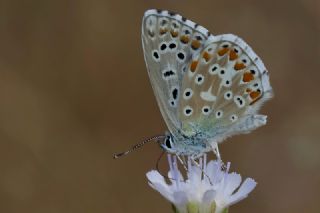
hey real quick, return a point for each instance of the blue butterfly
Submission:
(207, 87)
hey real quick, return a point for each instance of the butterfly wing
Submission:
(225, 85)
(169, 42)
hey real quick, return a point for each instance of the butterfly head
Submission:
(168, 144)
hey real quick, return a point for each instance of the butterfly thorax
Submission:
(195, 145)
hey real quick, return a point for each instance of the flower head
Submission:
(207, 188)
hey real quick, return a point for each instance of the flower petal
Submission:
(232, 182)
(154, 176)
(165, 191)
(247, 186)
(157, 182)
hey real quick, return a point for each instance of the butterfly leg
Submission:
(200, 166)
(184, 159)
(215, 150)
(183, 162)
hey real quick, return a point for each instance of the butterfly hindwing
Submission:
(169, 43)
(225, 85)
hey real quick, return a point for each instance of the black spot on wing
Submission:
(155, 55)
(175, 93)
(180, 55)
(172, 45)
(168, 73)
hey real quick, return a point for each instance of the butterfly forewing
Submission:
(169, 43)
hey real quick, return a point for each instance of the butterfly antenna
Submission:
(157, 137)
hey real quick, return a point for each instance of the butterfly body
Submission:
(207, 87)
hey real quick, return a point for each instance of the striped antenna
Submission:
(137, 146)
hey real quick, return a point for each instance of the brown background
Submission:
(74, 90)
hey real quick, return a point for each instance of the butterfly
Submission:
(207, 87)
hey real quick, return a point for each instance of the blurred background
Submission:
(74, 90)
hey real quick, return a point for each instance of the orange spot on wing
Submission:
(248, 76)
(239, 66)
(206, 56)
(195, 44)
(223, 51)
(254, 94)
(184, 39)
(233, 55)
(174, 33)
(163, 31)
(193, 66)
(248, 90)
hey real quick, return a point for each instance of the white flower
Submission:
(208, 187)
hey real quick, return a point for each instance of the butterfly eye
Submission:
(168, 142)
